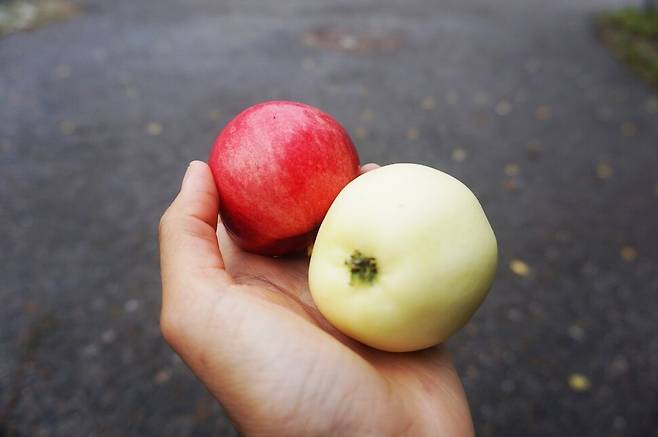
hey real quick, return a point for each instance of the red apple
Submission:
(278, 166)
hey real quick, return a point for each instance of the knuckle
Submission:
(162, 224)
(169, 327)
(164, 227)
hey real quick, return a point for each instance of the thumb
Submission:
(188, 242)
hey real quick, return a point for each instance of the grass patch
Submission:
(632, 34)
(19, 15)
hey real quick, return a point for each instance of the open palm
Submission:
(247, 327)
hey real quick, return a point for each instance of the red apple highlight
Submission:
(278, 166)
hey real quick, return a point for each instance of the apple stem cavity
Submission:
(363, 269)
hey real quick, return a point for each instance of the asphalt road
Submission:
(99, 116)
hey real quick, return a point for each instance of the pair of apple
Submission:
(404, 254)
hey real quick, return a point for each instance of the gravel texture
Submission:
(100, 114)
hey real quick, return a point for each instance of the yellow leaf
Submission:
(579, 382)
(519, 267)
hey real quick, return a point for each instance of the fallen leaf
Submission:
(215, 114)
(651, 105)
(67, 127)
(603, 170)
(543, 113)
(452, 98)
(576, 333)
(512, 169)
(503, 107)
(63, 71)
(428, 103)
(367, 115)
(511, 185)
(628, 253)
(481, 99)
(154, 128)
(628, 129)
(412, 133)
(361, 133)
(519, 267)
(132, 91)
(535, 149)
(579, 382)
(459, 155)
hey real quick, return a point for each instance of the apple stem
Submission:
(363, 269)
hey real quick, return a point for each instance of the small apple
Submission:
(403, 258)
(278, 166)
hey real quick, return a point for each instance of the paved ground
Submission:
(99, 116)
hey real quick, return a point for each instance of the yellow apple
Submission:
(403, 258)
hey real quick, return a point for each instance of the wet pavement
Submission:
(100, 114)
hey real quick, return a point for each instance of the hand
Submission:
(247, 327)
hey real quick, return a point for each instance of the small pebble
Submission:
(514, 314)
(619, 365)
(131, 305)
(90, 350)
(576, 333)
(651, 105)
(63, 71)
(619, 423)
(98, 303)
(108, 336)
(163, 376)
(508, 386)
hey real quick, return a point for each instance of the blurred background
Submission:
(529, 102)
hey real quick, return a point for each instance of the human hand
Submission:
(247, 327)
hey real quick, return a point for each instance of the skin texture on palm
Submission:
(247, 327)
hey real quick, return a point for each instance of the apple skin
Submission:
(434, 251)
(278, 166)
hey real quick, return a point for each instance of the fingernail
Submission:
(187, 174)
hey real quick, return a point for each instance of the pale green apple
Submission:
(403, 258)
